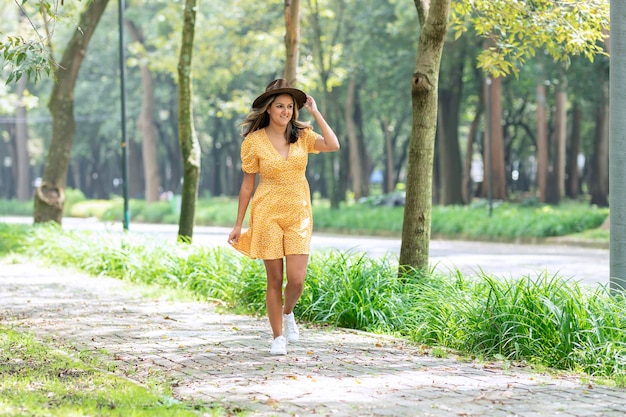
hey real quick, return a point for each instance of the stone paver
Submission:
(224, 358)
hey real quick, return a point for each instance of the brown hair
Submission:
(258, 119)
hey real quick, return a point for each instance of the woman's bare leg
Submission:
(274, 294)
(296, 273)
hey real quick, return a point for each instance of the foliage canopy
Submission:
(515, 30)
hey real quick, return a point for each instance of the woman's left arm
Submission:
(329, 141)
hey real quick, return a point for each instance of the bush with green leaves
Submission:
(16, 208)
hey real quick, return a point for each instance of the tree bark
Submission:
(560, 135)
(469, 154)
(50, 195)
(146, 124)
(189, 144)
(572, 189)
(292, 40)
(450, 172)
(135, 176)
(599, 181)
(21, 145)
(389, 174)
(542, 141)
(356, 163)
(496, 146)
(414, 250)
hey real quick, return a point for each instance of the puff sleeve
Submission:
(310, 137)
(249, 158)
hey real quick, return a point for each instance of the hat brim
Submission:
(298, 95)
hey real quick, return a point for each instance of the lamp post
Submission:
(121, 6)
(617, 149)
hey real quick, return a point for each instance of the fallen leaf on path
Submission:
(271, 402)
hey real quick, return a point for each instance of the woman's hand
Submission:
(233, 237)
(310, 104)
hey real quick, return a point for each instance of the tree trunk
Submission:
(189, 144)
(292, 40)
(450, 172)
(542, 141)
(50, 195)
(356, 163)
(469, 154)
(389, 174)
(599, 181)
(560, 135)
(496, 177)
(21, 145)
(146, 124)
(135, 176)
(572, 189)
(335, 183)
(366, 161)
(414, 250)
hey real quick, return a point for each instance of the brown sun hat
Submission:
(280, 86)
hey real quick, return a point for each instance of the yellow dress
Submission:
(281, 220)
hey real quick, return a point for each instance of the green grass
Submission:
(39, 380)
(507, 221)
(516, 221)
(543, 321)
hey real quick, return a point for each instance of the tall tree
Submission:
(189, 144)
(145, 122)
(560, 134)
(542, 137)
(494, 183)
(572, 188)
(450, 100)
(516, 37)
(21, 145)
(433, 21)
(50, 194)
(324, 60)
(516, 30)
(292, 40)
(599, 178)
(356, 147)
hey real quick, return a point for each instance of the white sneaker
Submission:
(290, 327)
(279, 346)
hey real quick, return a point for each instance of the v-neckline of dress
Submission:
(276, 150)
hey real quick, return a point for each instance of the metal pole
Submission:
(488, 144)
(617, 149)
(121, 7)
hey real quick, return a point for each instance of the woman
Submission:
(276, 146)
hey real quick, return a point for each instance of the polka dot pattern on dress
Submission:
(281, 219)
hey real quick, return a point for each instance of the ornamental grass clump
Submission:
(543, 320)
(353, 291)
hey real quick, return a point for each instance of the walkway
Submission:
(224, 358)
